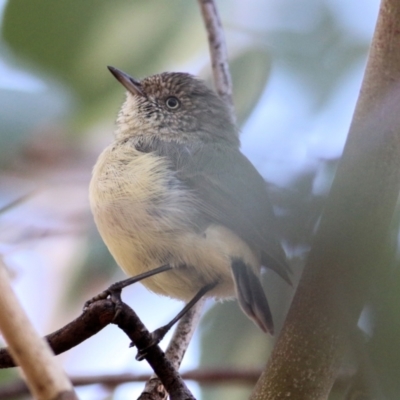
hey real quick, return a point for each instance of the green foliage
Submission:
(21, 113)
(249, 69)
(230, 340)
(75, 40)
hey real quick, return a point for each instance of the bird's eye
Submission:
(172, 103)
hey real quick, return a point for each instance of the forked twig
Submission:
(98, 315)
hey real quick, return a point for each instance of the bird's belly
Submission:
(196, 261)
(145, 218)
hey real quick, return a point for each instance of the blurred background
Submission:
(297, 68)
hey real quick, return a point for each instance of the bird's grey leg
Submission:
(159, 333)
(114, 291)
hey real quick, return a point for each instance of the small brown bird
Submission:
(177, 203)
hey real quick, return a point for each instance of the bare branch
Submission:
(45, 378)
(154, 389)
(98, 315)
(218, 53)
(129, 322)
(183, 334)
(93, 320)
(204, 377)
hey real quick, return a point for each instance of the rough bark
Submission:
(344, 260)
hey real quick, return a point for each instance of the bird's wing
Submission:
(229, 191)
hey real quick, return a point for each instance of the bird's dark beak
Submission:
(131, 84)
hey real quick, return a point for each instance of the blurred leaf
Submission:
(298, 207)
(23, 114)
(229, 338)
(49, 32)
(7, 376)
(320, 56)
(250, 72)
(75, 40)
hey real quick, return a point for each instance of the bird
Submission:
(178, 205)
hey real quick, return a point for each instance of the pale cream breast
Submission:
(145, 217)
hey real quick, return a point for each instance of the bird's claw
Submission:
(156, 337)
(101, 296)
(115, 296)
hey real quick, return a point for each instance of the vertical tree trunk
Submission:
(344, 259)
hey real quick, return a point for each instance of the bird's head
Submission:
(173, 106)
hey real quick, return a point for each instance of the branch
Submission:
(176, 350)
(93, 320)
(129, 322)
(218, 53)
(17, 201)
(98, 315)
(45, 378)
(344, 260)
(207, 377)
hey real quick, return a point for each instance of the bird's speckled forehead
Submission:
(173, 83)
(200, 116)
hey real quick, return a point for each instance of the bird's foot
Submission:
(156, 337)
(113, 293)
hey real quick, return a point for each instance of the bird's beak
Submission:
(131, 84)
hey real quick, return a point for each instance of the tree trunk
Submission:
(344, 259)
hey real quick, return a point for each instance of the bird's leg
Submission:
(159, 333)
(114, 291)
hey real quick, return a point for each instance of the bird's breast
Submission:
(136, 200)
(148, 218)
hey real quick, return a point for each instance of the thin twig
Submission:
(130, 323)
(17, 201)
(176, 350)
(45, 377)
(183, 334)
(204, 377)
(207, 377)
(218, 53)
